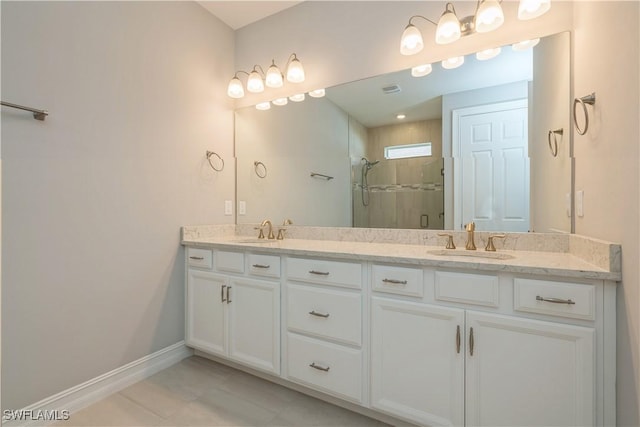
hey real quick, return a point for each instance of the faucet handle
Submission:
(490, 247)
(281, 232)
(471, 226)
(450, 244)
(261, 233)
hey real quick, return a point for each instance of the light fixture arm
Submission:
(257, 68)
(422, 17)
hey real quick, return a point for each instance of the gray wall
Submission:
(93, 198)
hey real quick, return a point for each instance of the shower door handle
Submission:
(424, 221)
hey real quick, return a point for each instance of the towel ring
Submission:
(211, 153)
(257, 168)
(587, 99)
(554, 147)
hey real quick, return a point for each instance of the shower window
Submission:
(422, 149)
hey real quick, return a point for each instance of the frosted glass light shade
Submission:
(524, 45)
(299, 97)
(280, 101)
(452, 63)
(448, 29)
(255, 83)
(263, 106)
(274, 77)
(411, 41)
(235, 89)
(489, 16)
(421, 70)
(529, 9)
(295, 72)
(483, 55)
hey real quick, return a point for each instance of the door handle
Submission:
(458, 339)
(471, 342)
(222, 293)
(228, 295)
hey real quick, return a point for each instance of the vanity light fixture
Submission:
(273, 78)
(451, 63)
(318, 93)
(263, 106)
(524, 45)
(299, 97)
(483, 55)
(280, 101)
(488, 16)
(421, 70)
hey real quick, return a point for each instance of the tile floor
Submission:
(200, 392)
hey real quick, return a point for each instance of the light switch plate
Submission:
(242, 207)
(228, 207)
(580, 203)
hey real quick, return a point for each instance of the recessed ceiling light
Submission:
(401, 116)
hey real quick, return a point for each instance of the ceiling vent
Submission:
(391, 89)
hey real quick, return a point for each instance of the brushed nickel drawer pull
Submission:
(315, 313)
(261, 266)
(222, 298)
(319, 368)
(198, 258)
(471, 342)
(395, 282)
(458, 340)
(228, 296)
(319, 273)
(555, 300)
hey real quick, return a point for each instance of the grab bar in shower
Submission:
(37, 114)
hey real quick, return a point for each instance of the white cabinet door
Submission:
(254, 323)
(417, 366)
(528, 372)
(206, 312)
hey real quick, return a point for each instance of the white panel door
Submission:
(493, 184)
(206, 324)
(417, 366)
(254, 323)
(523, 372)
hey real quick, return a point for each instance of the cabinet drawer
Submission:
(573, 300)
(397, 280)
(467, 288)
(346, 274)
(326, 313)
(325, 366)
(264, 265)
(199, 257)
(229, 261)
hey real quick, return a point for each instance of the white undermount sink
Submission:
(470, 254)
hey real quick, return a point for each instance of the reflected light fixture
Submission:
(299, 97)
(452, 63)
(483, 55)
(401, 116)
(421, 70)
(318, 93)
(280, 101)
(263, 106)
(488, 16)
(524, 45)
(257, 79)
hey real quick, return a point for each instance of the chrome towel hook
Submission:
(554, 147)
(211, 153)
(587, 99)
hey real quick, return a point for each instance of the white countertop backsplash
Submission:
(566, 255)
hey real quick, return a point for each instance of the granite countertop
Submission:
(561, 264)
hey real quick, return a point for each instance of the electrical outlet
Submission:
(228, 207)
(242, 207)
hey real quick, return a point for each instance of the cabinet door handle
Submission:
(315, 313)
(395, 282)
(261, 266)
(228, 295)
(222, 293)
(458, 342)
(471, 342)
(555, 300)
(319, 273)
(198, 258)
(319, 368)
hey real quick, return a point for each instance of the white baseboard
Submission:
(83, 395)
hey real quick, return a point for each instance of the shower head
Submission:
(368, 164)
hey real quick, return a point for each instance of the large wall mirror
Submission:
(488, 142)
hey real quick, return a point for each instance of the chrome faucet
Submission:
(270, 235)
(471, 227)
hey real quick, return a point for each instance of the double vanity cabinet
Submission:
(427, 342)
